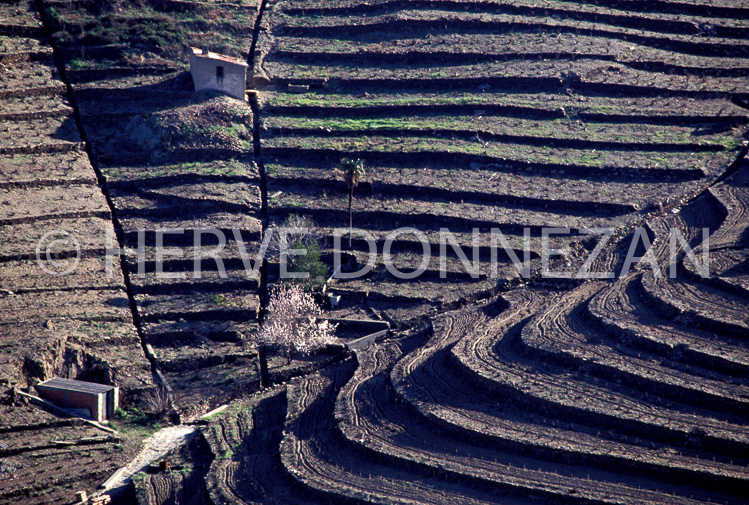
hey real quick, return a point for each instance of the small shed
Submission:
(218, 72)
(100, 400)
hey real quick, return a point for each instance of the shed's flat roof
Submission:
(215, 56)
(74, 385)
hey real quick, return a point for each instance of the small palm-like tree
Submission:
(353, 173)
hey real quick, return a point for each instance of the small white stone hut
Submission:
(218, 72)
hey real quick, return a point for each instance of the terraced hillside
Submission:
(68, 323)
(471, 115)
(176, 161)
(627, 391)
(54, 218)
(513, 115)
(504, 115)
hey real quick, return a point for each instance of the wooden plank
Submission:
(214, 412)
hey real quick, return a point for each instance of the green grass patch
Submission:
(542, 154)
(134, 421)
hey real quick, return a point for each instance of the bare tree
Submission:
(292, 321)
(298, 233)
(294, 229)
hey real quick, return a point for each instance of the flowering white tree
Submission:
(292, 321)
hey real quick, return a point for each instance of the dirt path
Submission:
(155, 447)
